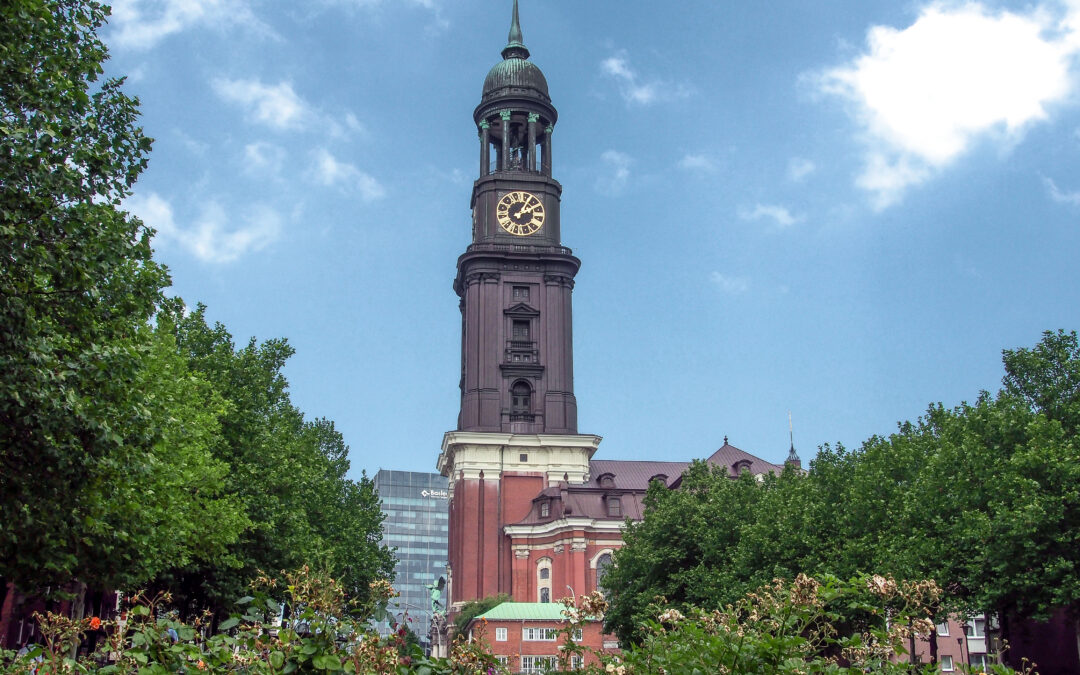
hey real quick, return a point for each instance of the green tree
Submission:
(288, 475)
(474, 608)
(77, 287)
(684, 549)
(983, 499)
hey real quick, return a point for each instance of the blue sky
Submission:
(845, 210)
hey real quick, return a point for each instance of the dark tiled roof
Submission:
(631, 475)
(630, 480)
(729, 456)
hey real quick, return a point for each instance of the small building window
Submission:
(521, 329)
(614, 507)
(543, 580)
(943, 629)
(536, 665)
(947, 664)
(523, 457)
(521, 293)
(539, 634)
(606, 480)
(545, 509)
(500, 635)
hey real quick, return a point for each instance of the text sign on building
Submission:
(437, 494)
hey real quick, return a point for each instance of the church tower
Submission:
(517, 428)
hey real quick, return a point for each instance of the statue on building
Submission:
(436, 589)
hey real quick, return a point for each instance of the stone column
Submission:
(485, 148)
(533, 119)
(505, 164)
(547, 149)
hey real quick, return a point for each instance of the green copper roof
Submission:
(517, 611)
(515, 73)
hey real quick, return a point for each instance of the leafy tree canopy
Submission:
(77, 287)
(983, 498)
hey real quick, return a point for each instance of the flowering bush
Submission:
(801, 627)
(321, 633)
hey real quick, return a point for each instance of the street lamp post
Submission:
(963, 644)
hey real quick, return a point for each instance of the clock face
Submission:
(520, 213)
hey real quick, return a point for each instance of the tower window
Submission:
(521, 330)
(520, 398)
(545, 573)
(545, 595)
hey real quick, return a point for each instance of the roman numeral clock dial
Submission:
(520, 213)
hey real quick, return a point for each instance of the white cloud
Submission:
(779, 215)
(959, 74)
(276, 106)
(141, 24)
(330, 172)
(799, 168)
(263, 158)
(210, 238)
(697, 163)
(1071, 198)
(616, 173)
(633, 89)
(731, 285)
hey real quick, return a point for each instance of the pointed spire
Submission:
(515, 47)
(793, 457)
(515, 28)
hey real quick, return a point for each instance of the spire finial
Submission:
(515, 28)
(515, 47)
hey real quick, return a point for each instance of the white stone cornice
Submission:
(588, 441)
(564, 524)
(471, 454)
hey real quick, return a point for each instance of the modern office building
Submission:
(416, 519)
